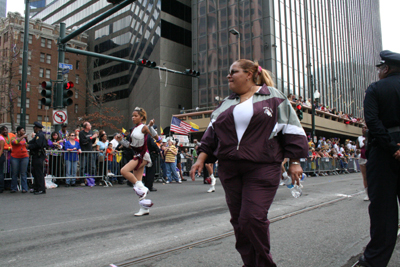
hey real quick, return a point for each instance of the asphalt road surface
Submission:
(82, 226)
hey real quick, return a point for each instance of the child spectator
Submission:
(110, 152)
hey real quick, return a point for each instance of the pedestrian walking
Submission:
(140, 157)
(36, 148)
(250, 133)
(382, 116)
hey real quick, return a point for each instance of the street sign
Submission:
(64, 66)
(60, 116)
(65, 71)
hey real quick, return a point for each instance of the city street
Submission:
(82, 226)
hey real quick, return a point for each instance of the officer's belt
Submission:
(394, 129)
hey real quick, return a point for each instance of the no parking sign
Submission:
(60, 116)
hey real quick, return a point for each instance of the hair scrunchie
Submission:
(259, 69)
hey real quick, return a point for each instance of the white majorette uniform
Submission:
(139, 145)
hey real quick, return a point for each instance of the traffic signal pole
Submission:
(58, 92)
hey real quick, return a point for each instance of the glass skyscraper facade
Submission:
(157, 30)
(332, 44)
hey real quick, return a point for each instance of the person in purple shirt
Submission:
(71, 159)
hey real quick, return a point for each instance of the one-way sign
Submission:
(65, 66)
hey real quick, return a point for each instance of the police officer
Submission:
(36, 147)
(382, 115)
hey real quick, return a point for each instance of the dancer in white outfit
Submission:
(141, 158)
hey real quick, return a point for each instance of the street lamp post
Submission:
(24, 66)
(235, 32)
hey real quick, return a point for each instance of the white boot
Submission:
(366, 198)
(212, 189)
(140, 190)
(213, 180)
(142, 212)
(285, 176)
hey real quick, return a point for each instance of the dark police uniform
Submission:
(154, 152)
(36, 148)
(382, 115)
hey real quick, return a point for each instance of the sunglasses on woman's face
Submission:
(72, 135)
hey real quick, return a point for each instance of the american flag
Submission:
(179, 126)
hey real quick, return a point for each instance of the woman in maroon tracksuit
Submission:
(250, 134)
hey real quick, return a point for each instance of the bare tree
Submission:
(103, 116)
(8, 86)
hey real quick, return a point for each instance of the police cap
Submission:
(64, 125)
(389, 58)
(37, 124)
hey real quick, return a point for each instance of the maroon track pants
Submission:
(250, 189)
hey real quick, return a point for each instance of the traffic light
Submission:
(299, 112)
(192, 73)
(46, 93)
(67, 93)
(114, 2)
(147, 63)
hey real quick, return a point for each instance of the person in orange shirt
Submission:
(19, 160)
(110, 158)
(7, 151)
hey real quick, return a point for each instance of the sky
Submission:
(390, 11)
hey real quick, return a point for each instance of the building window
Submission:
(27, 102)
(28, 86)
(66, 76)
(30, 39)
(40, 118)
(76, 108)
(19, 118)
(41, 57)
(48, 59)
(19, 102)
(66, 60)
(77, 65)
(41, 72)
(49, 43)
(29, 70)
(43, 42)
(47, 73)
(20, 69)
(21, 55)
(77, 79)
(76, 93)
(40, 106)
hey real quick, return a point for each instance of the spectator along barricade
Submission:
(329, 166)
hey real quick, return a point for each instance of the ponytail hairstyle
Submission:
(260, 76)
(142, 113)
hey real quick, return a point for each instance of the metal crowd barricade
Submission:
(89, 164)
(7, 169)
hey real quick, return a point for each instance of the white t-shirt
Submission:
(242, 114)
(114, 144)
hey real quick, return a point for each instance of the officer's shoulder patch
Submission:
(37, 137)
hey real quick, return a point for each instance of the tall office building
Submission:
(157, 30)
(3, 8)
(333, 43)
